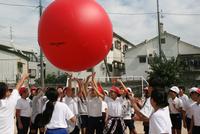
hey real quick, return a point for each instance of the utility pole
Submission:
(41, 54)
(159, 37)
(11, 36)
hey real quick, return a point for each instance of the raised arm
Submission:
(21, 82)
(95, 86)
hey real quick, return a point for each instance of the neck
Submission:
(156, 108)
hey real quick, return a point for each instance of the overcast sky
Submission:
(135, 20)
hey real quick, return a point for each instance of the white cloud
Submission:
(135, 28)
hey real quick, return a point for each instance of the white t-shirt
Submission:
(114, 106)
(184, 99)
(104, 106)
(82, 106)
(72, 103)
(7, 110)
(188, 107)
(147, 109)
(94, 107)
(127, 109)
(178, 104)
(60, 114)
(160, 122)
(24, 106)
(37, 105)
(196, 114)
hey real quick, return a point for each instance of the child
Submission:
(23, 111)
(7, 106)
(195, 122)
(55, 114)
(160, 122)
(175, 106)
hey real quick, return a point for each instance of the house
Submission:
(136, 58)
(33, 65)
(12, 64)
(113, 65)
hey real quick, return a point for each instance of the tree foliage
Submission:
(169, 70)
(53, 79)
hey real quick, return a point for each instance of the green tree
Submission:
(53, 79)
(169, 70)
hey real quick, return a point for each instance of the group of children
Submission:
(89, 109)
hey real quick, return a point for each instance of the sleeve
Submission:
(192, 111)
(19, 104)
(69, 113)
(147, 109)
(14, 97)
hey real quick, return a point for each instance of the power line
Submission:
(17, 5)
(184, 14)
(116, 13)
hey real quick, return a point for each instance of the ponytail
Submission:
(52, 96)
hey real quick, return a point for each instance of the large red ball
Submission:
(75, 35)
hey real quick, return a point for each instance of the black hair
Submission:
(52, 96)
(182, 87)
(3, 90)
(156, 82)
(159, 95)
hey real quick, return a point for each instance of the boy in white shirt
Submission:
(160, 122)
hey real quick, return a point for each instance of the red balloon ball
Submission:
(75, 35)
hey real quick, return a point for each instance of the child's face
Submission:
(113, 95)
(198, 99)
(172, 94)
(194, 96)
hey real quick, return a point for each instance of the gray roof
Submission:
(10, 50)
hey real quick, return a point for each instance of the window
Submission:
(110, 67)
(20, 67)
(142, 59)
(118, 44)
(125, 48)
(32, 73)
(162, 40)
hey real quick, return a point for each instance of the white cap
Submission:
(175, 89)
(105, 91)
(193, 89)
(129, 89)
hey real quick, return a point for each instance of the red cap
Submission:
(100, 88)
(21, 90)
(198, 91)
(33, 88)
(115, 89)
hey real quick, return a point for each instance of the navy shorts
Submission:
(83, 121)
(57, 131)
(176, 121)
(129, 124)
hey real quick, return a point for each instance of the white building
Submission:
(15, 62)
(12, 64)
(115, 61)
(136, 58)
(33, 65)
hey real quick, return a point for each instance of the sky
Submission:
(135, 20)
